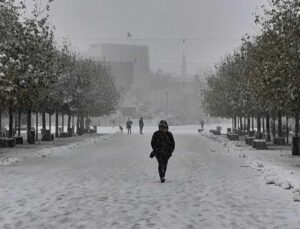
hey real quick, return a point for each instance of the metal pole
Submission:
(167, 97)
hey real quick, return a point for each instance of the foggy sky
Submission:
(213, 26)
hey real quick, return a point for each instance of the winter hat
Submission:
(163, 124)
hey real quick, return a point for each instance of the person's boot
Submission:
(162, 180)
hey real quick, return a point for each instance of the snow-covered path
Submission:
(114, 184)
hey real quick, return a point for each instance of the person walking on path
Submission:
(202, 124)
(163, 146)
(128, 126)
(141, 124)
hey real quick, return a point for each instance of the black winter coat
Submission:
(163, 143)
(141, 123)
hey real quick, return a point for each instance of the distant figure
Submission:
(128, 126)
(163, 145)
(141, 124)
(113, 123)
(121, 128)
(202, 124)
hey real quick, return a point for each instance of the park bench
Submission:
(259, 135)
(259, 144)
(279, 141)
(252, 133)
(92, 130)
(264, 135)
(232, 136)
(217, 131)
(7, 142)
(19, 140)
(46, 135)
(249, 140)
(241, 132)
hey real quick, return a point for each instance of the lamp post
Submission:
(167, 100)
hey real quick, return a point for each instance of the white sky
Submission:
(214, 26)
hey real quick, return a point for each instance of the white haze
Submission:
(214, 27)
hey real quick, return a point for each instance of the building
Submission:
(145, 93)
(129, 63)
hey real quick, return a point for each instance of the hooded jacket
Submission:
(163, 143)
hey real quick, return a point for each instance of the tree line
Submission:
(39, 76)
(261, 78)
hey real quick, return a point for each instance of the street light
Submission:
(167, 99)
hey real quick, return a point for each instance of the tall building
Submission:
(129, 63)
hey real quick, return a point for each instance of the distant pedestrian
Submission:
(163, 145)
(202, 124)
(128, 126)
(141, 124)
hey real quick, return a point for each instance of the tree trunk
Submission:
(296, 148)
(69, 124)
(56, 124)
(268, 127)
(258, 124)
(30, 138)
(297, 125)
(263, 124)
(63, 122)
(234, 123)
(73, 121)
(273, 129)
(16, 123)
(287, 129)
(44, 120)
(36, 126)
(10, 122)
(82, 122)
(241, 123)
(252, 122)
(279, 125)
(248, 124)
(19, 123)
(73, 124)
(50, 122)
(0, 121)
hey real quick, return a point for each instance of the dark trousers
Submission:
(141, 129)
(162, 164)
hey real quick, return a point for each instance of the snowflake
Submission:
(2, 74)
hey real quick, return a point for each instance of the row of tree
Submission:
(261, 78)
(36, 75)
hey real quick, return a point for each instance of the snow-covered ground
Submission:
(276, 164)
(110, 182)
